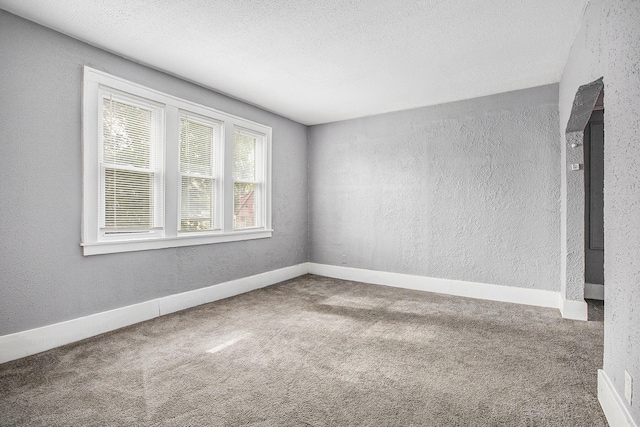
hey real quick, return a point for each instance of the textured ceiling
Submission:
(317, 61)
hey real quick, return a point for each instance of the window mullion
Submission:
(172, 170)
(227, 177)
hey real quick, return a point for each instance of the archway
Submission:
(573, 213)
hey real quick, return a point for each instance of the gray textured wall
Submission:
(44, 277)
(608, 45)
(468, 190)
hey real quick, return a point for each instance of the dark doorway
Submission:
(594, 200)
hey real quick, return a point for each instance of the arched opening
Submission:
(580, 227)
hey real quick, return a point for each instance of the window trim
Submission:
(91, 242)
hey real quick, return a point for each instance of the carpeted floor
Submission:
(320, 352)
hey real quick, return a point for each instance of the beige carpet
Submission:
(320, 352)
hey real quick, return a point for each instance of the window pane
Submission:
(196, 147)
(127, 134)
(197, 211)
(128, 199)
(244, 157)
(244, 205)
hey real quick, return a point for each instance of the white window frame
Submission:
(157, 166)
(218, 166)
(94, 242)
(259, 180)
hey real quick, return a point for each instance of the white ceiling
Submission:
(317, 61)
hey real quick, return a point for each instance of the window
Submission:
(247, 179)
(157, 173)
(131, 175)
(199, 180)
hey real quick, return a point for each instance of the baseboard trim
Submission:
(184, 300)
(594, 291)
(612, 404)
(535, 297)
(33, 341)
(574, 310)
(26, 343)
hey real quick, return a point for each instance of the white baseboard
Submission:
(26, 343)
(184, 300)
(594, 291)
(32, 341)
(612, 404)
(575, 310)
(536, 297)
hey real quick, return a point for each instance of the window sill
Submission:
(99, 248)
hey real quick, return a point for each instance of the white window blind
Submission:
(130, 135)
(247, 179)
(199, 159)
